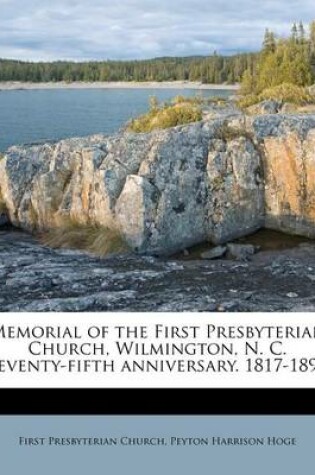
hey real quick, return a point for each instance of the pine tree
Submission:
(301, 33)
(290, 61)
(294, 33)
(248, 85)
(312, 37)
(312, 48)
(269, 43)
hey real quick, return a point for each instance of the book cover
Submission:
(157, 225)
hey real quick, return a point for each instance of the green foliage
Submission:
(248, 84)
(207, 69)
(286, 92)
(282, 61)
(312, 47)
(187, 100)
(198, 100)
(269, 44)
(153, 103)
(294, 33)
(178, 112)
(312, 36)
(248, 100)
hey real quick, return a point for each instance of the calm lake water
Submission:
(28, 116)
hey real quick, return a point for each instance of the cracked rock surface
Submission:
(215, 180)
(165, 191)
(36, 278)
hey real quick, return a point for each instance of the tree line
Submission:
(281, 60)
(214, 69)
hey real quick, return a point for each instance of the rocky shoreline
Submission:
(214, 181)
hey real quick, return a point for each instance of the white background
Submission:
(18, 350)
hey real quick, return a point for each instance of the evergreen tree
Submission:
(283, 61)
(269, 43)
(301, 33)
(248, 85)
(294, 33)
(312, 37)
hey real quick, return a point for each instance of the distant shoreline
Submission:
(13, 86)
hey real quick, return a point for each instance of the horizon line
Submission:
(154, 58)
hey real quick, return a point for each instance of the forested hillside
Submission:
(290, 60)
(213, 69)
(283, 61)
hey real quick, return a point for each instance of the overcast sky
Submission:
(122, 29)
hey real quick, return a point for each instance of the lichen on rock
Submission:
(173, 188)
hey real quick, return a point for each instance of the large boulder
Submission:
(214, 181)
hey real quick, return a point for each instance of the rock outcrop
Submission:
(290, 178)
(214, 181)
(35, 278)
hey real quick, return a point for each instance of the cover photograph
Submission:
(157, 156)
(157, 236)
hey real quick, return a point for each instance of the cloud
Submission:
(103, 29)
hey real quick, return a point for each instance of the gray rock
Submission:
(214, 253)
(43, 279)
(215, 181)
(165, 191)
(242, 252)
(3, 219)
(270, 107)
